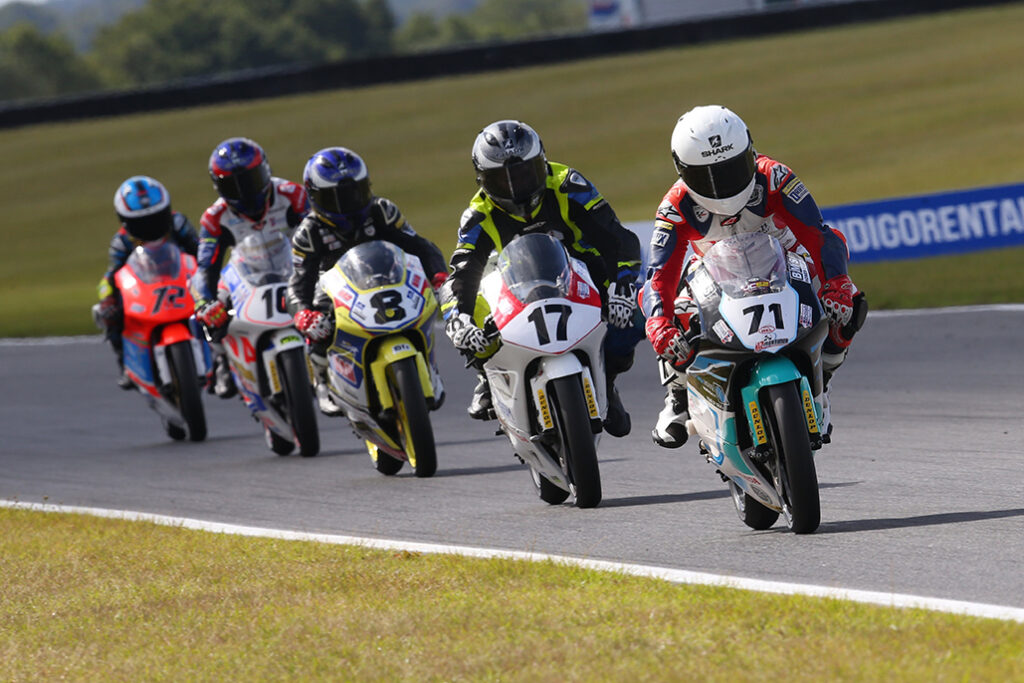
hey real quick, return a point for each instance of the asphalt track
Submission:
(921, 491)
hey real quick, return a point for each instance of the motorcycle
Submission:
(547, 375)
(164, 355)
(381, 366)
(755, 385)
(266, 354)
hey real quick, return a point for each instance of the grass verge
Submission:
(119, 600)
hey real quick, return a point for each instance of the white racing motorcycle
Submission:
(755, 385)
(266, 353)
(547, 376)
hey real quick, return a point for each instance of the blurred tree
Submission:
(35, 65)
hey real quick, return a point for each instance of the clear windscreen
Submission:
(263, 258)
(373, 264)
(155, 261)
(747, 264)
(535, 266)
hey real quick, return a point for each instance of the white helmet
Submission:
(714, 155)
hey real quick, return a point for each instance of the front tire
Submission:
(299, 397)
(415, 432)
(548, 492)
(187, 394)
(796, 462)
(578, 441)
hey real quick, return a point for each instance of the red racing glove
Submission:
(837, 299)
(212, 314)
(668, 340)
(439, 279)
(314, 325)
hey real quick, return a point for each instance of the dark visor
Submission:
(244, 184)
(515, 180)
(721, 180)
(346, 197)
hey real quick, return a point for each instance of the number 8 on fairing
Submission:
(389, 306)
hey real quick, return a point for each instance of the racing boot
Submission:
(480, 407)
(223, 382)
(123, 380)
(324, 399)
(617, 421)
(670, 429)
(826, 409)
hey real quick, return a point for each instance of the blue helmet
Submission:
(338, 184)
(144, 207)
(241, 175)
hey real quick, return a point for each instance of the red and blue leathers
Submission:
(221, 227)
(122, 244)
(779, 205)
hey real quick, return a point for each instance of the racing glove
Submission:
(837, 299)
(621, 304)
(108, 309)
(465, 335)
(212, 314)
(668, 340)
(438, 279)
(313, 325)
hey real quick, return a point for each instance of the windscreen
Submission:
(263, 258)
(747, 264)
(155, 261)
(535, 266)
(373, 264)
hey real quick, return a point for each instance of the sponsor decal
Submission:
(812, 422)
(723, 331)
(588, 392)
(759, 492)
(369, 231)
(731, 220)
(795, 190)
(778, 175)
(401, 348)
(668, 211)
(582, 290)
(660, 238)
(797, 268)
(767, 330)
(700, 213)
(660, 224)
(545, 411)
(806, 315)
(758, 425)
(756, 196)
(769, 342)
(715, 143)
(344, 367)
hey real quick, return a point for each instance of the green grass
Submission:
(128, 601)
(861, 112)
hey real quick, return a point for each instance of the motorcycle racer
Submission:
(143, 207)
(250, 199)
(726, 188)
(344, 213)
(520, 191)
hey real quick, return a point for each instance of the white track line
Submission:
(898, 313)
(673, 575)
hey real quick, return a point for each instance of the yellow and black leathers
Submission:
(571, 209)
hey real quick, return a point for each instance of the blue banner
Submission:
(930, 225)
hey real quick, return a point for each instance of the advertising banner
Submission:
(930, 225)
(922, 225)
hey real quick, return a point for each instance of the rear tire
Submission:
(383, 462)
(796, 461)
(548, 492)
(173, 431)
(186, 388)
(416, 435)
(578, 439)
(299, 395)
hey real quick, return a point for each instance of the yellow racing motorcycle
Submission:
(381, 365)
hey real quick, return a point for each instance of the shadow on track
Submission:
(922, 520)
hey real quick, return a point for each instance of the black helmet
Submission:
(144, 207)
(510, 166)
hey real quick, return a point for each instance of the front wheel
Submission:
(579, 449)
(186, 388)
(548, 492)
(299, 397)
(797, 475)
(415, 432)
